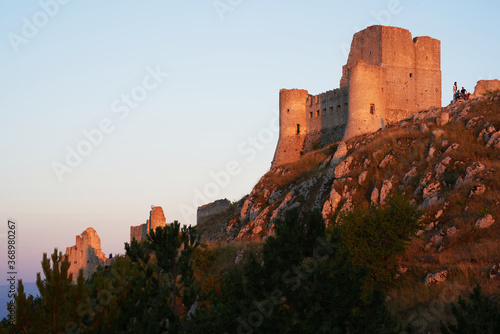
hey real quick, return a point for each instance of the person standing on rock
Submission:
(454, 91)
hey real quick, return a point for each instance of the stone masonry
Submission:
(207, 211)
(86, 254)
(156, 219)
(388, 77)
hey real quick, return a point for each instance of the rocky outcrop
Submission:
(434, 167)
(485, 222)
(86, 254)
(436, 277)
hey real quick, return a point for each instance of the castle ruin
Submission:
(156, 219)
(86, 254)
(388, 77)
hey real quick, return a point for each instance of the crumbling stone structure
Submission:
(485, 86)
(205, 212)
(86, 254)
(388, 76)
(156, 219)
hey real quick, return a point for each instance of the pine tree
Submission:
(165, 289)
(478, 315)
(57, 308)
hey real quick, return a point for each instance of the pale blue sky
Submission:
(222, 88)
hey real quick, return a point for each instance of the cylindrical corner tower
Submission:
(366, 100)
(293, 128)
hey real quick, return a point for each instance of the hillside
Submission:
(447, 159)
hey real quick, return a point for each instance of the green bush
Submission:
(376, 236)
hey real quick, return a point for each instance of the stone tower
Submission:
(293, 124)
(156, 219)
(388, 76)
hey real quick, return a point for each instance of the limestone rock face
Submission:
(86, 254)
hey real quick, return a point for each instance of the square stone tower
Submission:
(390, 76)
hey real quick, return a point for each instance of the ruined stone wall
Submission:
(138, 232)
(156, 219)
(86, 254)
(207, 211)
(483, 86)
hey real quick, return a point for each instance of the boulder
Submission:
(343, 168)
(452, 148)
(477, 190)
(384, 191)
(239, 257)
(494, 271)
(436, 277)
(331, 203)
(362, 177)
(431, 189)
(341, 151)
(387, 160)
(485, 222)
(437, 133)
(374, 196)
(443, 118)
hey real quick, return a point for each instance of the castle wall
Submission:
(86, 254)
(326, 117)
(207, 211)
(483, 86)
(138, 232)
(388, 77)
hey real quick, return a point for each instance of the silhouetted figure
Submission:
(455, 90)
(110, 255)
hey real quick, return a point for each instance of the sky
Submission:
(109, 107)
